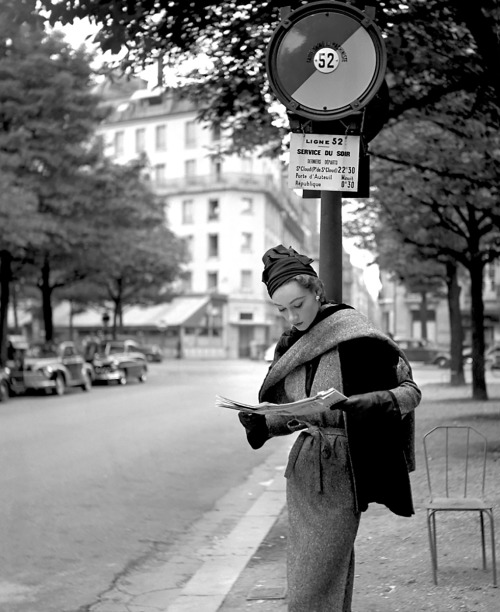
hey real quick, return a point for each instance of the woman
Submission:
(354, 453)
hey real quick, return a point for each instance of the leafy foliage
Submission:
(133, 255)
(435, 48)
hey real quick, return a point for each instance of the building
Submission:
(400, 310)
(228, 210)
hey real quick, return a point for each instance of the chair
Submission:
(455, 460)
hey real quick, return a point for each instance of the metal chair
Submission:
(455, 460)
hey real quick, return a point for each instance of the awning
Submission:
(181, 311)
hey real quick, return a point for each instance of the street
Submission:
(93, 483)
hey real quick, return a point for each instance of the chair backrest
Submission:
(455, 460)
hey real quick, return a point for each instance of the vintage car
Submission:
(116, 360)
(153, 352)
(4, 384)
(48, 367)
(420, 350)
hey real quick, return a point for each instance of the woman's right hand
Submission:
(256, 427)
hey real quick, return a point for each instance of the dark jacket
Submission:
(381, 439)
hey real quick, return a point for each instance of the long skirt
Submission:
(323, 523)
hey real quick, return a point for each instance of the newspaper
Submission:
(303, 407)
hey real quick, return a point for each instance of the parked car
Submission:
(445, 359)
(492, 357)
(269, 352)
(153, 353)
(4, 384)
(48, 367)
(417, 349)
(116, 361)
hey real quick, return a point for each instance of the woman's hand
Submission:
(256, 427)
(370, 404)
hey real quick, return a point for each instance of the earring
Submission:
(317, 298)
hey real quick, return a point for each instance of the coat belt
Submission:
(325, 449)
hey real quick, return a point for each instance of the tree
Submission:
(133, 257)
(47, 115)
(435, 48)
(17, 208)
(422, 273)
(437, 185)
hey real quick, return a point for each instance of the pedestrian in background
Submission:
(350, 455)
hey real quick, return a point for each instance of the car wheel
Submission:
(87, 382)
(4, 392)
(144, 376)
(441, 362)
(123, 378)
(60, 386)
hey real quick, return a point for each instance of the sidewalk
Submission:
(393, 570)
(235, 558)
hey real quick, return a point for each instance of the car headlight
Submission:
(47, 371)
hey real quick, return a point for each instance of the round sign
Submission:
(326, 60)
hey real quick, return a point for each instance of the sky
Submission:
(78, 33)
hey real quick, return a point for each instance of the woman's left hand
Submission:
(369, 404)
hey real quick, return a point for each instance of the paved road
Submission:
(92, 484)
(95, 484)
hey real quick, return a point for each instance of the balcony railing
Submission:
(213, 181)
(237, 181)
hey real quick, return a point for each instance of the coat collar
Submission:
(325, 335)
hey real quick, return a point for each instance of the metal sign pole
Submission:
(330, 245)
(326, 62)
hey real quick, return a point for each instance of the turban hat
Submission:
(282, 265)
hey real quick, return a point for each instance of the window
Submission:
(216, 132)
(246, 316)
(212, 281)
(189, 243)
(190, 167)
(246, 245)
(161, 137)
(247, 164)
(187, 281)
(213, 245)
(160, 174)
(246, 280)
(247, 208)
(216, 167)
(187, 211)
(140, 140)
(213, 210)
(190, 134)
(119, 143)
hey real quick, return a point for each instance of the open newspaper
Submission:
(309, 405)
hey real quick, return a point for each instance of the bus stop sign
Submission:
(326, 60)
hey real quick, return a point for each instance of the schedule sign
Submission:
(324, 162)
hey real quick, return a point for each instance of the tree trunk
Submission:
(46, 290)
(5, 278)
(457, 376)
(423, 315)
(476, 270)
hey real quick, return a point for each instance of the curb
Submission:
(209, 586)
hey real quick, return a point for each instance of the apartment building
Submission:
(228, 209)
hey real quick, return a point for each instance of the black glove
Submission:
(256, 428)
(370, 405)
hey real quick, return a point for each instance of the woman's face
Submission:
(296, 304)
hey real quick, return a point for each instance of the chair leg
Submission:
(483, 542)
(493, 552)
(431, 528)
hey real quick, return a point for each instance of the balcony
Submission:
(212, 182)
